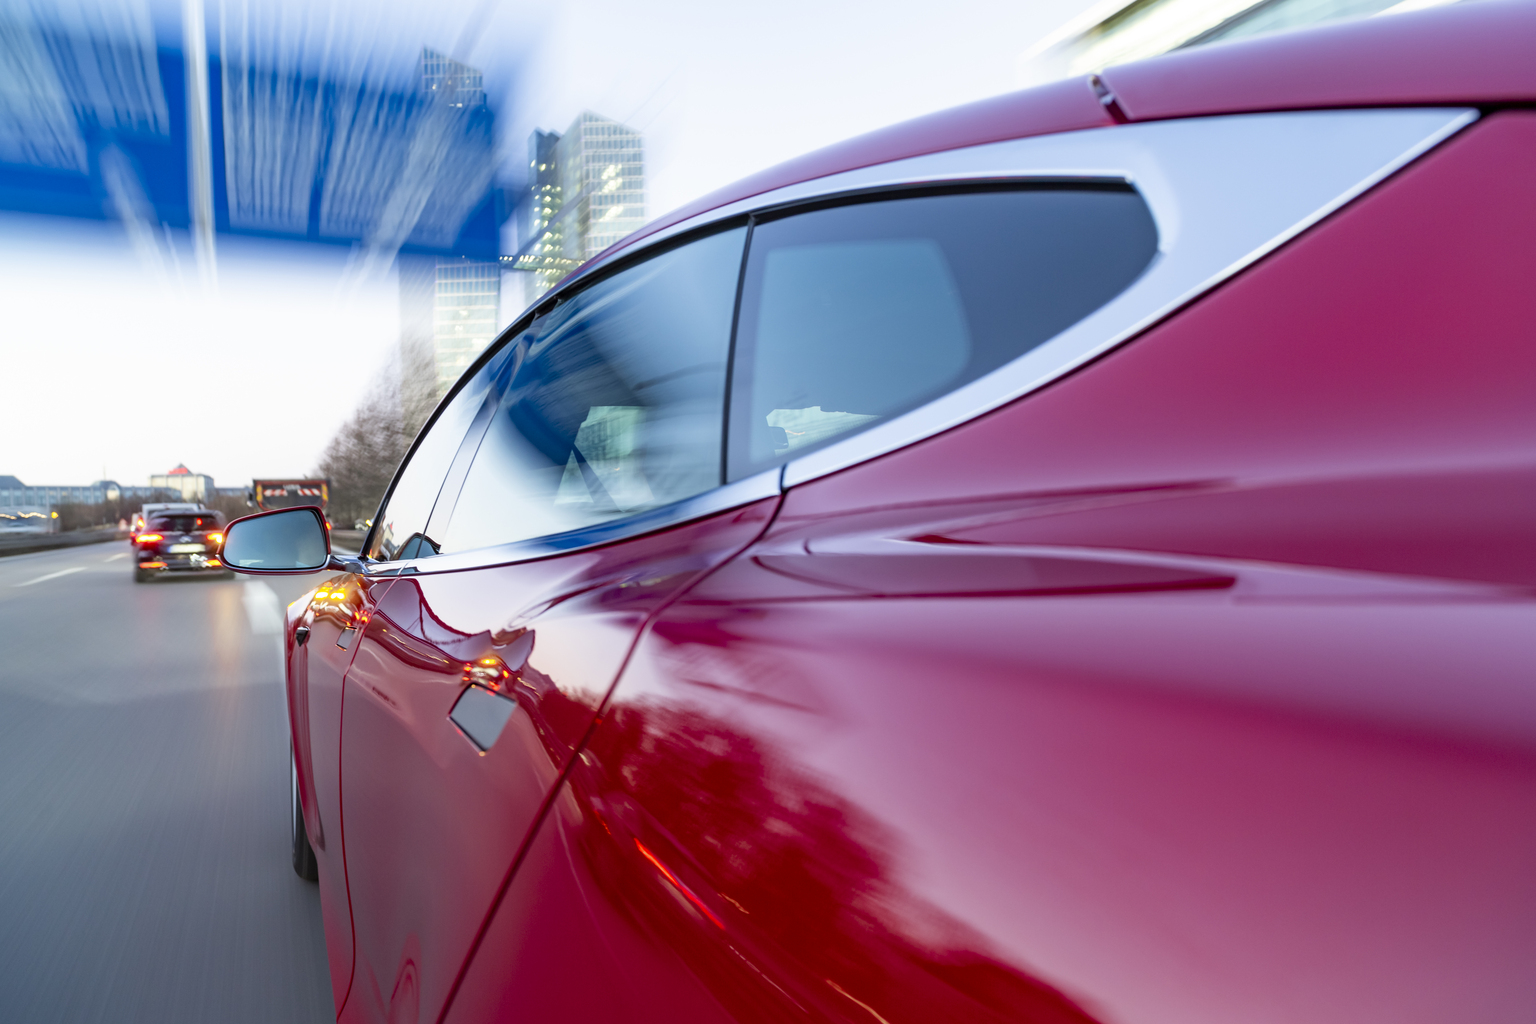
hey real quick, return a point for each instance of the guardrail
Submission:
(28, 543)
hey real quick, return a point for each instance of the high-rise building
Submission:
(602, 172)
(465, 300)
(456, 84)
(448, 305)
(587, 191)
(543, 225)
(448, 310)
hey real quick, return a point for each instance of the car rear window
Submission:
(186, 523)
(852, 314)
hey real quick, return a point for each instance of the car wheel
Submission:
(140, 576)
(304, 864)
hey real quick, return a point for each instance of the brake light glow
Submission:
(151, 565)
(216, 538)
(215, 563)
(149, 538)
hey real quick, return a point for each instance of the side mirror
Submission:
(287, 542)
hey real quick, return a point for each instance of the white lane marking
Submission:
(51, 576)
(113, 558)
(263, 609)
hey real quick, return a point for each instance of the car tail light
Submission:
(149, 538)
(151, 565)
(214, 563)
(215, 538)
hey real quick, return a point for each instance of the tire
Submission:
(139, 576)
(304, 863)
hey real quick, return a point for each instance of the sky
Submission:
(110, 369)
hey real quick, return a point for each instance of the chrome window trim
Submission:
(1199, 176)
(1294, 169)
(767, 484)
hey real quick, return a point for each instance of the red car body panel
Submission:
(1195, 686)
(996, 746)
(433, 824)
(334, 622)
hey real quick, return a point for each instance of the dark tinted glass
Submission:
(401, 530)
(186, 524)
(852, 314)
(615, 404)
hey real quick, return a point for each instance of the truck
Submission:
(270, 494)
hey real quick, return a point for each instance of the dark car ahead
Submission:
(179, 542)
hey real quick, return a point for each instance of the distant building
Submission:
(602, 172)
(15, 493)
(456, 84)
(587, 192)
(448, 305)
(182, 481)
(1118, 31)
(448, 313)
(543, 226)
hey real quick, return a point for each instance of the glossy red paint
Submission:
(315, 676)
(433, 824)
(1477, 53)
(1195, 687)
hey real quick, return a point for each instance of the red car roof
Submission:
(1470, 53)
(1474, 53)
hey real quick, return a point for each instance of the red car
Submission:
(1066, 559)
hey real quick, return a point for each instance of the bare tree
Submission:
(361, 458)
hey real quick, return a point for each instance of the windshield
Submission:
(186, 523)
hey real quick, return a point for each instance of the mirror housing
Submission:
(283, 542)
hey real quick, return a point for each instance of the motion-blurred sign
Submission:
(94, 122)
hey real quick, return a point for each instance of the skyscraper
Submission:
(448, 305)
(602, 171)
(587, 192)
(465, 302)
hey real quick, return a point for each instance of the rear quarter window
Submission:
(852, 314)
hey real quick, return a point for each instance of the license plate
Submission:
(181, 549)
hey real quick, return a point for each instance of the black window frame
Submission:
(584, 278)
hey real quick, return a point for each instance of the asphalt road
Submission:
(144, 870)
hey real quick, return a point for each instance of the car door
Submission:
(334, 613)
(591, 496)
(316, 668)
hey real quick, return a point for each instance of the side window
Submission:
(855, 313)
(615, 405)
(402, 527)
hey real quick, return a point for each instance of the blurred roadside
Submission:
(26, 545)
